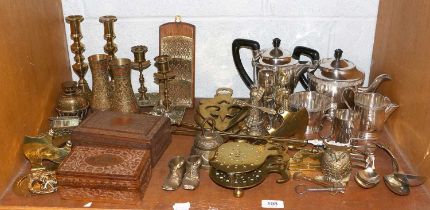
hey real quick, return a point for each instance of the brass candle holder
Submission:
(140, 64)
(110, 47)
(78, 48)
(163, 76)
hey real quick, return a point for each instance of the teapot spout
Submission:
(375, 84)
(390, 109)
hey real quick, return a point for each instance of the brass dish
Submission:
(241, 181)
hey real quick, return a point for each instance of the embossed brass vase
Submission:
(123, 97)
(70, 103)
(102, 93)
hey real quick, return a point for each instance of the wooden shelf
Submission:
(209, 195)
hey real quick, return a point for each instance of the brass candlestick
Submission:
(110, 47)
(140, 64)
(78, 48)
(163, 76)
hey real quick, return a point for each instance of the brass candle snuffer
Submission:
(78, 48)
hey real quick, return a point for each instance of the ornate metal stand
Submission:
(78, 48)
(140, 64)
(163, 76)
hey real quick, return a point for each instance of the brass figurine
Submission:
(140, 64)
(255, 123)
(78, 48)
(39, 148)
(176, 173)
(42, 182)
(191, 177)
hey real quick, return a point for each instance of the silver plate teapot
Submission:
(334, 75)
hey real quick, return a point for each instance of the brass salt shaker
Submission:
(123, 98)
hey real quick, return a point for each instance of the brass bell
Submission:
(206, 141)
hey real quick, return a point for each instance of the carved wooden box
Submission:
(104, 173)
(125, 130)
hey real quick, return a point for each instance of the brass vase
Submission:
(102, 93)
(123, 97)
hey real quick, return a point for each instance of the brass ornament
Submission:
(78, 48)
(241, 181)
(123, 97)
(164, 106)
(221, 108)
(180, 48)
(39, 148)
(102, 92)
(140, 64)
(70, 103)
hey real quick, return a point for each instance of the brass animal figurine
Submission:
(39, 148)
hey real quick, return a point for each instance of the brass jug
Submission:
(123, 97)
(102, 93)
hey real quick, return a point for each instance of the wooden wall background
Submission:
(33, 63)
(402, 49)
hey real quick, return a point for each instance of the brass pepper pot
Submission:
(102, 93)
(70, 103)
(123, 97)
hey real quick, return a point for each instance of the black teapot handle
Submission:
(237, 44)
(310, 53)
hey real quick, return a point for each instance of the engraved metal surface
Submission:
(180, 49)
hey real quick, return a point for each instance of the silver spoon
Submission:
(368, 177)
(410, 179)
(393, 183)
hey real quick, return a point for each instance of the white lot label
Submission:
(182, 206)
(272, 204)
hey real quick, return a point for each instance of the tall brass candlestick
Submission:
(110, 47)
(78, 48)
(140, 64)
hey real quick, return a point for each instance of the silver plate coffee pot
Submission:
(275, 69)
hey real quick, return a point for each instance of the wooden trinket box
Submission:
(125, 130)
(104, 174)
